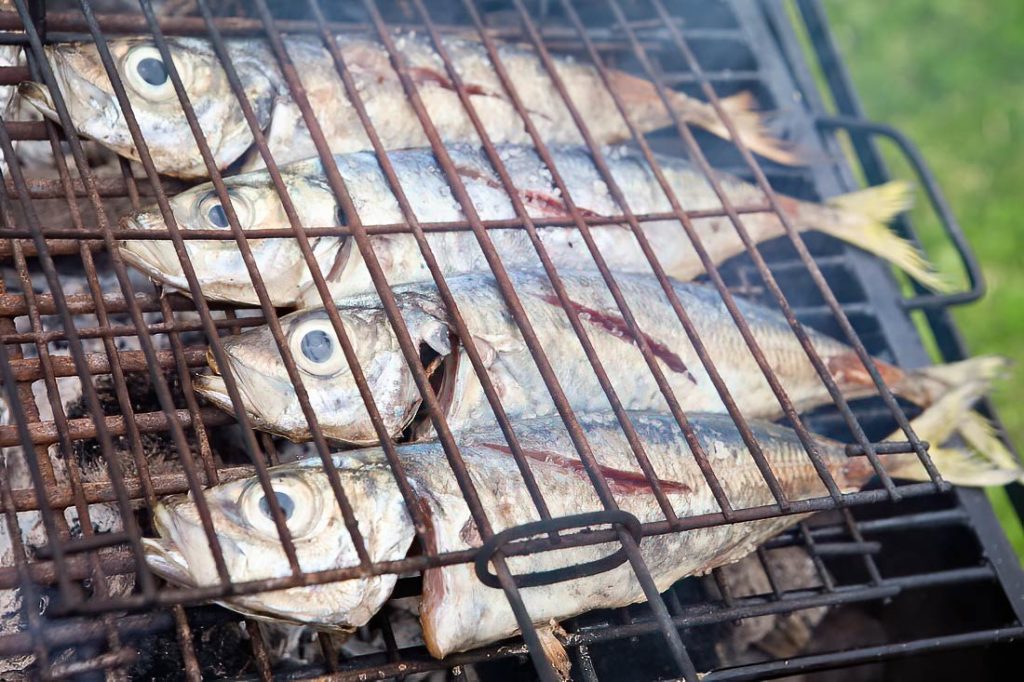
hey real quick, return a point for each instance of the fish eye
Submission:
(212, 212)
(147, 74)
(217, 215)
(284, 501)
(299, 503)
(316, 345)
(315, 348)
(152, 71)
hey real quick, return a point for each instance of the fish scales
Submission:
(270, 399)
(459, 612)
(96, 113)
(456, 594)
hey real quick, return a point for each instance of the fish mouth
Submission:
(165, 555)
(155, 257)
(145, 255)
(38, 96)
(162, 554)
(164, 559)
(213, 388)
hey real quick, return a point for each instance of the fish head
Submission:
(252, 549)
(218, 264)
(96, 112)
(269, 396)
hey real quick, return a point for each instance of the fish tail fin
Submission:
(741, 109)
(981, 434)
(648, 111)
(862, 221)
(750, 123)
(979, 459)
(926, 385)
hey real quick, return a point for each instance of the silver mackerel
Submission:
(459, 612)
(95, 111)
(857, 218)
(270, 397)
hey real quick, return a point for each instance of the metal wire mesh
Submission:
(129, 351)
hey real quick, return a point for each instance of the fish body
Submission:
(457, 611)
(96, 113)
(270, 397)
(222, 274)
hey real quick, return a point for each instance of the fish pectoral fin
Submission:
(284, 118)
(487, 351)
(502, 343)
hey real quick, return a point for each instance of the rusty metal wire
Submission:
(28, 243)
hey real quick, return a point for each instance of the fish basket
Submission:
(902, 580)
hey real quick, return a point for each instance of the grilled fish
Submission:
(96, 113)
(855, 218)
(459, 612)
(271, 401)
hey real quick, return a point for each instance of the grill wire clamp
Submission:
(619, 518)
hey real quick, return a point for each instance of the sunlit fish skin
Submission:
(457, 611)
(271, 401)
(96, 113)
(857, 218)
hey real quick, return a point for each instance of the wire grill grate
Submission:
(75, 320)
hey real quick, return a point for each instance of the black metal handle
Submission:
(616, 518)
(938, 202)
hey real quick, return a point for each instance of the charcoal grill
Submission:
(925, 566)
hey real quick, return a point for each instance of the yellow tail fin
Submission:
(741, 109)
(981, 435)
(980, 460)
(863, 222)
(647, 110)
(926, 385)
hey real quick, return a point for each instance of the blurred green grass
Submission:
(949, 74)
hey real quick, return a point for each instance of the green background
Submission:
(950, 74)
